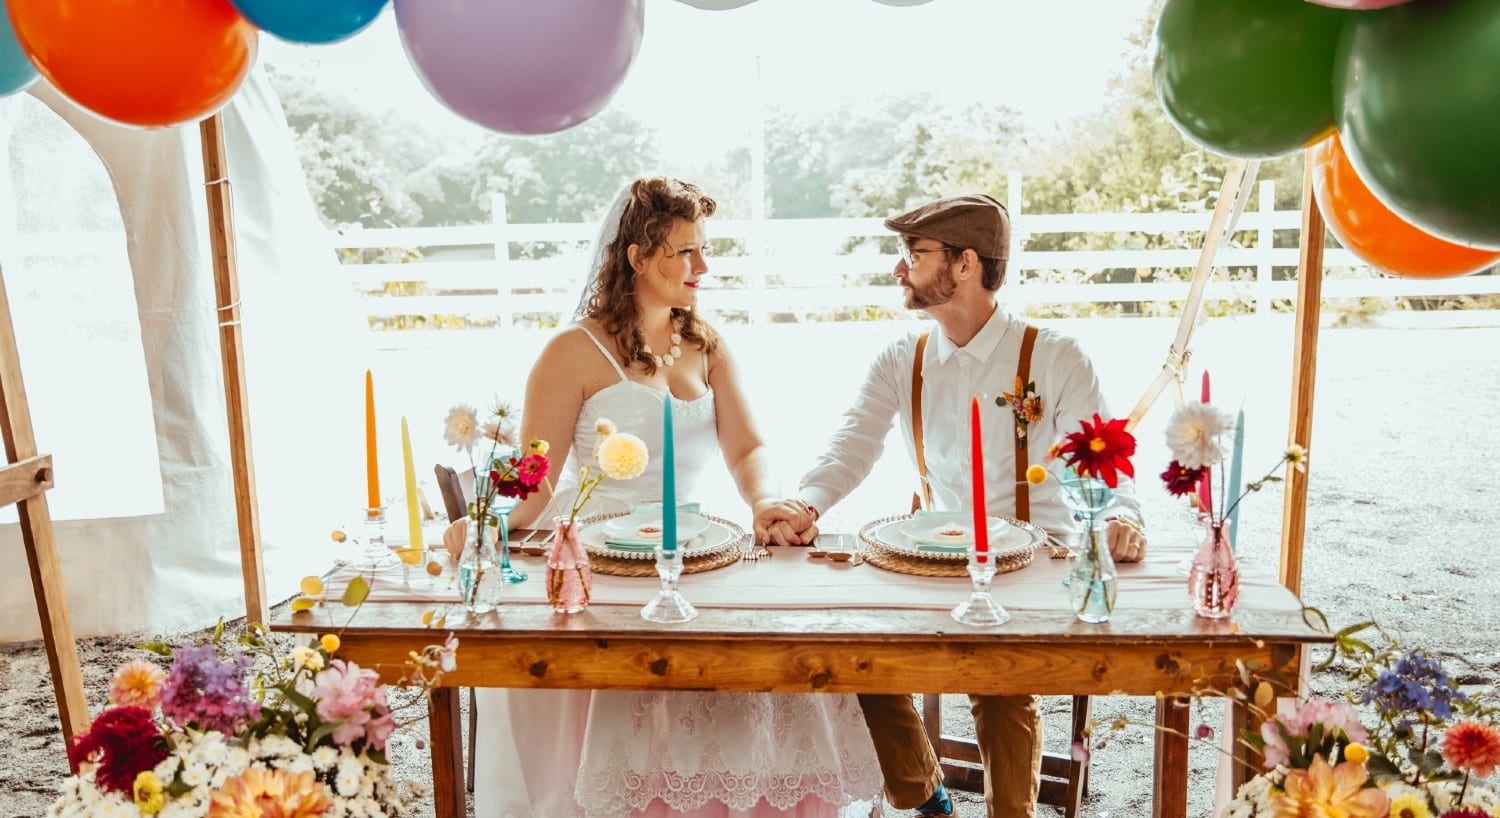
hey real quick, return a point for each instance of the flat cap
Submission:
(972, 221)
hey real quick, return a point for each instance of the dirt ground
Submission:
(1402, 523)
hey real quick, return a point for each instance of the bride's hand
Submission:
(779, 521)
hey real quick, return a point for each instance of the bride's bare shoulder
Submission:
(572, 346)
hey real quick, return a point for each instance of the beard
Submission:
(934, 293)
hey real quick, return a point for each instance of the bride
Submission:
(561, 754)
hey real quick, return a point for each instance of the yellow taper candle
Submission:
(413, 513)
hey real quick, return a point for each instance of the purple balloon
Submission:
(522, 66)
(1358, 4)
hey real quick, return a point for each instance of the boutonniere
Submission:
(1026, 404)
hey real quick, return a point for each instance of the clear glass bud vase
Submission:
(569, 577)
(479, 579)
(1091, 584)
(1214, 580)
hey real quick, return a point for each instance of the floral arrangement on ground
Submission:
(1406, 742)
(244, 730)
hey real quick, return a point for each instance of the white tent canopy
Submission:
(146, 535)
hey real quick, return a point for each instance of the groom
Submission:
(953, 258)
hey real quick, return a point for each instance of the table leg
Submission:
(1244, 759)
(1172, 717)
(446, 726)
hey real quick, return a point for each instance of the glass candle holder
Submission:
(980, 608)
(669, 607)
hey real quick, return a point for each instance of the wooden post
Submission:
(505, 287)
(36, 534)
(232, 351)
(1304, 371)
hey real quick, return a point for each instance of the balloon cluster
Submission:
(1398, 100)
(517, 66)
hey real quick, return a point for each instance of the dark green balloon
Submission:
(1418, 92)
(1248, 78)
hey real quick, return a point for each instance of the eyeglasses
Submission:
(909, 255)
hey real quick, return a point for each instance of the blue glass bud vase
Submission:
(1092, 582)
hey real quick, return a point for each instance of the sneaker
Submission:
(939, 805)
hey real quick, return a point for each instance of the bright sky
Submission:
(1050, 59)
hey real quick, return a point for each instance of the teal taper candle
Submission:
(668, 480)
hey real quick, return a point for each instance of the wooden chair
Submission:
(1064, 781)
(452, 489)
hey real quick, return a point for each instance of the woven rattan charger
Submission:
(603, 564)
(880, 555)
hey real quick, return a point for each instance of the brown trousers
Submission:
(1010, 745)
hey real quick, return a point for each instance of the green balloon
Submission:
(1418, 94)
(1248, 78)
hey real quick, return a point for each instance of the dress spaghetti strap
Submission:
(605, 352)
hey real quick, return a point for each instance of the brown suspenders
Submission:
(1023, 375)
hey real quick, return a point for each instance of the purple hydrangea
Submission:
(206, 692)
(1416, 685)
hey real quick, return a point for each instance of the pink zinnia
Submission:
(137, 684)
(352, 695)
(531, 470)
(1296, 719)
(1473, 748)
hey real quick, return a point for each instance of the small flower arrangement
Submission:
(305, 735)
(1195, 437)
(619, 455)
(1025, 404)
(1096, 456)
(1431, 751)
(504, 473)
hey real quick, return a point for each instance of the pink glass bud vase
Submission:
(569, 578)
(1214, 581)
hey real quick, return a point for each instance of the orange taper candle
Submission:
(372, 468)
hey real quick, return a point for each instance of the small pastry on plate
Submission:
(649, 531)
(951, 533)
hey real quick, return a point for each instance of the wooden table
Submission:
(1165, 652)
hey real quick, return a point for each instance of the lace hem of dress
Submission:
(620, 791)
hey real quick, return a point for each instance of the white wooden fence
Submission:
(796, 268)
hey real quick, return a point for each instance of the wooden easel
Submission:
(24, 480)
(27, 475)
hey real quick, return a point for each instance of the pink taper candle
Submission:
(981, 522)
(1205, 483)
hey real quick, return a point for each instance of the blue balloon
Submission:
(16, 71)
(310, 21)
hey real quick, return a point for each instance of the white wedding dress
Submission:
(602, 754)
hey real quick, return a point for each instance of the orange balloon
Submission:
(1370, 230)
(138, 62)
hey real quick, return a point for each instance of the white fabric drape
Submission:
(175, 564)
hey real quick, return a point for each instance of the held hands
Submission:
(783, 522)
(1127, 543)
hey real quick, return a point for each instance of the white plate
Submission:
(890, 536)
(628, 527)
(715, 538)
(927, 531)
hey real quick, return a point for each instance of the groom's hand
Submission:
(1127, 543)
(779, 521)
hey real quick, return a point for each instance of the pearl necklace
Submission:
(672, 354)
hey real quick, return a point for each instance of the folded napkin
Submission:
(656, 505)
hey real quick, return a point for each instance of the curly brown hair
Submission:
(655, 204)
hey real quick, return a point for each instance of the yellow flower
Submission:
(303, 656)
(539, 446)
(137, 684)
(1334, 792)
(623, 456)
(148, 793)
(1409, 806)
(604, 426)
(1356, 753)
(1297, 456)
(257, 792)
(330, 642)
(1036, 474)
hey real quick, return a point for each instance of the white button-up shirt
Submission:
(951, 377)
